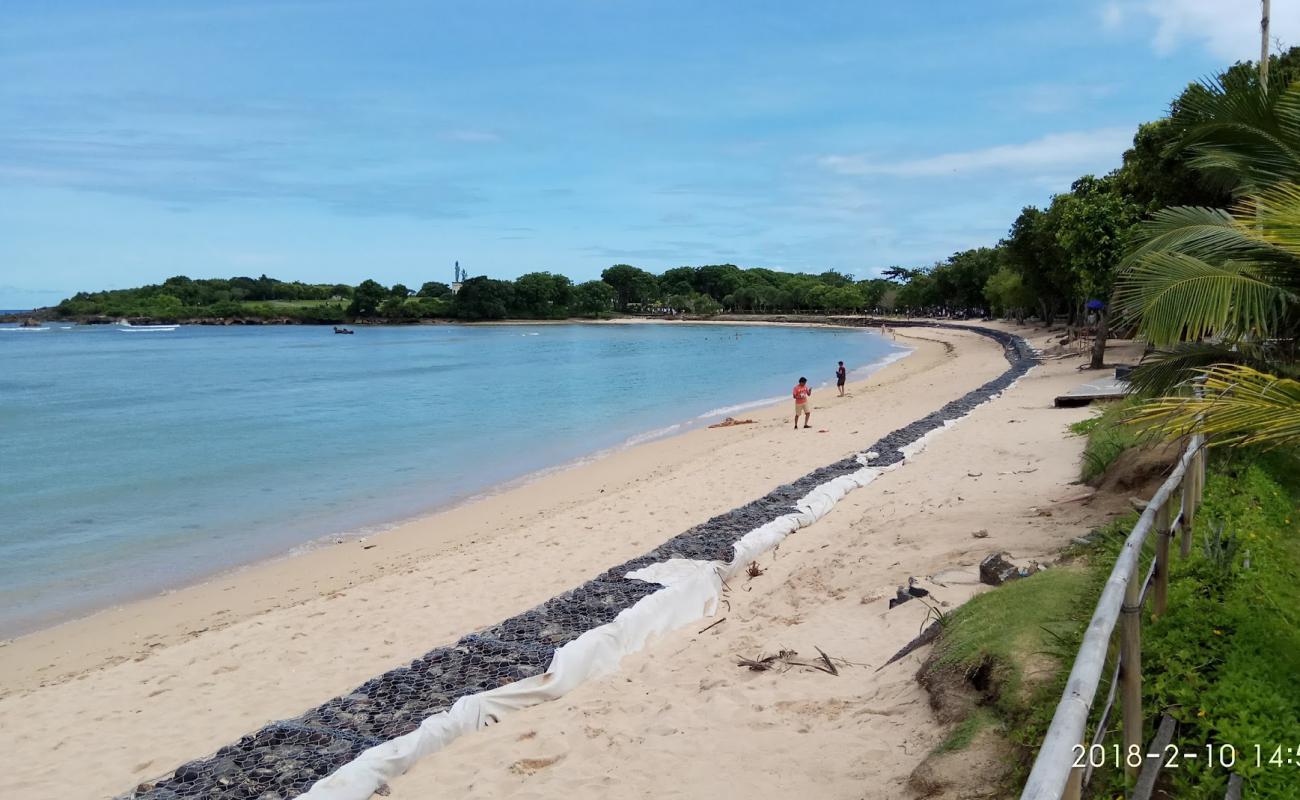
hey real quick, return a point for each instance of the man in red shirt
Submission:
(801, 394)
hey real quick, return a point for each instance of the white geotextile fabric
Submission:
(692, 591)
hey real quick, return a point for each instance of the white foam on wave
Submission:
(650, 436)
(728, 410)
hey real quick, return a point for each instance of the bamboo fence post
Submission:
(1130, 650)
(1074, 788)
(1185, 523)
(1164, 534)
(1200, 475)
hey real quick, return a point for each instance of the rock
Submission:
(908, 592)
(982, 533)
(1138, 503)
(997, 569)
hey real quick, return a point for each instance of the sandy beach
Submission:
(95, 706)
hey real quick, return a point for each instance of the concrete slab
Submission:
(1107, 388)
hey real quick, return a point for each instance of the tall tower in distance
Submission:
(459, 279)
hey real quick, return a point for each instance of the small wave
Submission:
(649, 436)
(25, 330)
(723, 411)
(883, 361)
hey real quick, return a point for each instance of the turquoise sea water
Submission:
(139, 460)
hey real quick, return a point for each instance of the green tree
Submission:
(484, 298)
(1236, 275)
(718, 280)
(1006, 294)
(844, 299)
(873, 291)
(1094, 222)
(366, 299)
(433, 289)
(1032, 250)
(593, 297)
(835, 279)
(542, 294)
(631, 284)
(678, 281)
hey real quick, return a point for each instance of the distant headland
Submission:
(622, 288)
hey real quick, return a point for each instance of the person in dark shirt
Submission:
(841, 375)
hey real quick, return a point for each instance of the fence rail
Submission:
(1169, 513)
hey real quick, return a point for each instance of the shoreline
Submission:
(363, 533)
(83, 623)
(245, 650)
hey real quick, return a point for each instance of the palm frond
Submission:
(1172, 296)
(1239, 130)
(1275, 215)
(1212, 233)
(1163, 371)
(1239, 406)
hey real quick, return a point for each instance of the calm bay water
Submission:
(135, 460)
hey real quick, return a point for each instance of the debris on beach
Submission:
(754, 570)
(712, 624)
(784, 660)
(982, 533)
(909, 592)
(997, 569)
(731, 421)
(925, 637)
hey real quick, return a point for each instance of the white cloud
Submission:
(1229, 29)
(1056, 150)
(1112, 16)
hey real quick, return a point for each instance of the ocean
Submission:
(137, 460)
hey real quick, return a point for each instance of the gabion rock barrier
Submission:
(284, 759)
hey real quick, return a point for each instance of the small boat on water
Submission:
(126, 327)
(337, 329)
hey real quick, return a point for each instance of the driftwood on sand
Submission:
(730, 421)
(785, 659)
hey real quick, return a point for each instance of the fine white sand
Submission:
(95, 706)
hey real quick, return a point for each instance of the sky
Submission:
(333, 141)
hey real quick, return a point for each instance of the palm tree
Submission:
(1218, 291)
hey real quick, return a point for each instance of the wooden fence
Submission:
(1061, 770)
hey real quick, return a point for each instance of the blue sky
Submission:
(337, 141)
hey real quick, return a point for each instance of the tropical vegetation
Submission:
(624, 288)
(1218, 290)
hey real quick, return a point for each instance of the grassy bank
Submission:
(1224, 661)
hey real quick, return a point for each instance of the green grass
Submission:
(965, 731)
(297, 303)
(997, 637)
(1108, 436)
(1029, 615)
(1225, 660)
